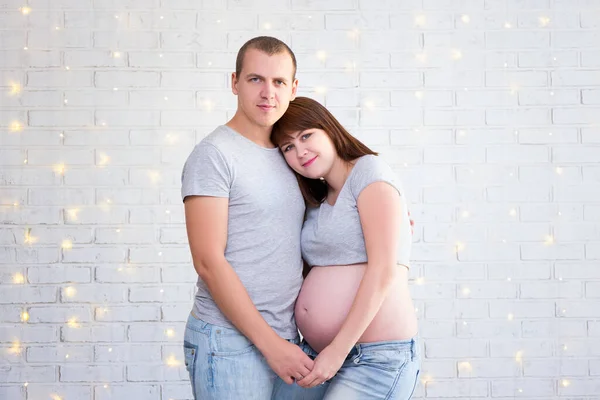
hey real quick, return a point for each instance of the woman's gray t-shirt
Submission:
(332, 235)
(266, 210)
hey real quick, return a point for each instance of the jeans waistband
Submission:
(409, 345)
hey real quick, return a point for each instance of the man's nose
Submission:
(268, 91)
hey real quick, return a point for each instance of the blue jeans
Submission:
(223, 364)
(379, 370)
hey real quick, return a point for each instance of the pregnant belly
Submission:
(327, 295)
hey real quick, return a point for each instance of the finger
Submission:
(303, 371)
(317, 382)
(287, 379)
(309, 380)
(308, 362)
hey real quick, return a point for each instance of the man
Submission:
(244, 214)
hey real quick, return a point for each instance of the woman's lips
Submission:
(306, 164)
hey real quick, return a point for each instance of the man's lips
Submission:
(266, 107)
(306, 164)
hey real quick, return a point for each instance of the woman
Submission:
(354, 309)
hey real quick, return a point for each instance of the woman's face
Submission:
(310, 152)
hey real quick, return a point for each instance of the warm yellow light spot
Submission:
(322, 55)
(26, 10)
(29, 239)
(320, 90)
(426, 378)
(456, 54)
(154, 176)
(24, 316)
(67, 244)
(465, 18)
(466, 291)
(514, 89)
(172, 361)
(72, 322)
(519, 356)
(421, 57)
(565, 383)
(510, 317)
(70, 291)
(419, 94)
(26, 384)
(208, 105)
(110, 349)
(544, 21)
(170, 332)
(465, 366)
(104, 159)
(267, 26)
(564, 347)
(15, 348)
(66, 356)
(369, 104)
(549, 240)
(354, 33)
(420, 20)
(171, 138)
(16, 126)
(59, 169)
(18, 278)
(462, 133)
(15, 88)
(559, 170)
(67, 68)
(512, 212)
(73, 213)
(55, 397)
(420, 280)
(507, 25)
(116, 54)
(459, 246)
(465, 214)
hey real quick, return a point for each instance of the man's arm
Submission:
(206, 223)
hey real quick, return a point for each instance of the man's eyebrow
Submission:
(254, 75)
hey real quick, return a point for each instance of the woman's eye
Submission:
(306, 136)
(287, 148)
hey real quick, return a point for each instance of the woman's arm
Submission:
(380, 217)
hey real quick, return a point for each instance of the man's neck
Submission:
(258, 134)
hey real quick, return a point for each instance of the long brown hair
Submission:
(305, 113)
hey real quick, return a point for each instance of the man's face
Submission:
(265, 86)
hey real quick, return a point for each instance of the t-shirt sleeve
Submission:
(205, 173)
(370, 170)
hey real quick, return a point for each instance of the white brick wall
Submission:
(488, 110)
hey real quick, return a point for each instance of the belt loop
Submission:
(412, 349)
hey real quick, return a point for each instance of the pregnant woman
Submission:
(354, 309)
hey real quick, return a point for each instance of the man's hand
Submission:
(288, 361)
(327, 364)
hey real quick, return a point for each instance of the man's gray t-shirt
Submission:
(266, 210)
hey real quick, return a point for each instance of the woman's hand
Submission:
(326, 365)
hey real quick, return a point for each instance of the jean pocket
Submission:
(384, 359)
(230, 342)
(190, 353)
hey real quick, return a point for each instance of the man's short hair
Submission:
(266, 44)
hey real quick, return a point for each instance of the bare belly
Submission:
(327, 295)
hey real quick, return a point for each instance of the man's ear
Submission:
(234, 82)
(294, 89)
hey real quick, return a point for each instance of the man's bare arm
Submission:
(206, 223)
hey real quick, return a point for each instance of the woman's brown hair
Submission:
(304, 113)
